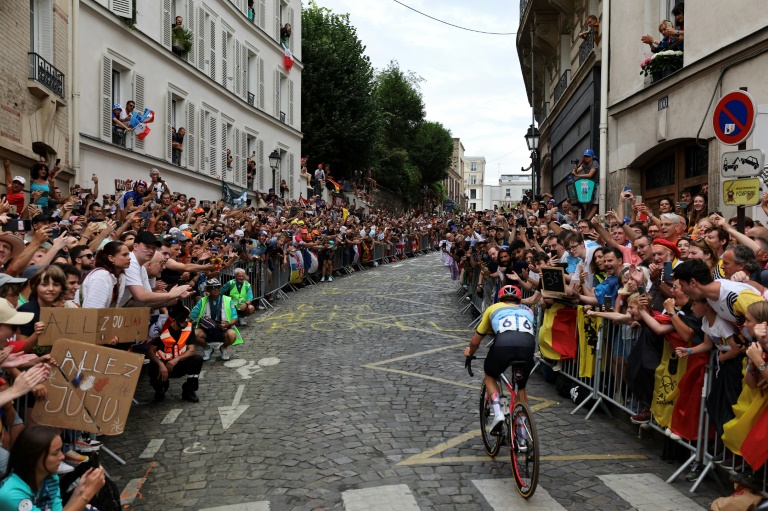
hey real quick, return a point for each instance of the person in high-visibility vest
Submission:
(241, 292)
(173, 355)
(214, 318)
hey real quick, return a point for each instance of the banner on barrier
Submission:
(94, 326)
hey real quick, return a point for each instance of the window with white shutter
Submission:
(277, 20)
(226, 172)
(277, 94)
(261, 165)
(138, 98)
(290, 175)
(263, 14)
(261, 84)
(244, 72)
(43, 32)
(168, 125)
(189, 24)
(204, 163)
(243, 163)
(290, 102)
(189, 140)
(291, 16)
(236, 157)
(213, 153)
(201, 39)
(212, 41)
(225, 59)
(165, 5)
(106, 98)
(122, 8)
(238, 78)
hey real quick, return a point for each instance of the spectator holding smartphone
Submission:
(15, 193)
(40, 187)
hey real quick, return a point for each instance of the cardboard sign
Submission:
(553, 281)
(94, 326)
(92, 391)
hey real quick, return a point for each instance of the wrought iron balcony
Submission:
(586, 48)
(44, 73)
(251, 98)
(562, 84)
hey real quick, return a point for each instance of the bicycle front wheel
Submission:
(492, 443)
(524, 449)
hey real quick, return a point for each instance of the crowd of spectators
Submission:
(191, 260)
(676, 272)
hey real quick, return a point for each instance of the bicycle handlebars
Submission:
(468, 365)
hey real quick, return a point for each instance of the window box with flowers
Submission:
(661, 64)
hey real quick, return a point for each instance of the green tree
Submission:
(431, 151)
(401, 110)
(398, 97)
(339, 114)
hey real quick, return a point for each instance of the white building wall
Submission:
(478, 175)
(215, 112)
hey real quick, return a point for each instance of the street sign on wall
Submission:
(741, 192)
(734, 117)
(742, 163)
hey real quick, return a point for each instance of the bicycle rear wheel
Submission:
(492, 443)
(524, 450)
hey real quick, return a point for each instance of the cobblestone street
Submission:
(352, 395)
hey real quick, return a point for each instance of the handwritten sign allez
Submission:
(93, 390)
(94, 326)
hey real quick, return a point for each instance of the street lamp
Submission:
(274, 162)
(532, 138)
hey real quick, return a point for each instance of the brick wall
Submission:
(17, 103)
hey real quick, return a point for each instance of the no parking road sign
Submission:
(734, 117)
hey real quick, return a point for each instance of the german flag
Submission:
(336, 186)
(557, 335)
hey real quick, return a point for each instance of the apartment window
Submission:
(473, 180)
(508, 193)
(177, 144)
(473, 194)
(41, 28)
(228, 152)
(473, 166)
(115, 89)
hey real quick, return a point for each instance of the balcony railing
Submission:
(251, 98)
(43, 72)
(586, 48)
(282, 117)
(523, 5)
(562, 84)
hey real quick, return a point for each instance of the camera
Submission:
(575, 162)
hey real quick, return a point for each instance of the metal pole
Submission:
(534, 170)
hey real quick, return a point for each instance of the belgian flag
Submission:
(749, 410)
(557, 335)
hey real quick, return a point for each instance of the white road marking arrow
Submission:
(229, 414)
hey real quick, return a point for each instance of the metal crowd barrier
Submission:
(606, 378)
(609, 384)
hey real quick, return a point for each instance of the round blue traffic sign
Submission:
(734, 117)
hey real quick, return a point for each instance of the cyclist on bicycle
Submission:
(512, 324)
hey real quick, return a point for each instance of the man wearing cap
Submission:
(118, 128)
(137, 194)
(137, 283)
(15, 193)
(664, 251)
(214, 318)
(173, 355)
(239, 289)
(588, 169)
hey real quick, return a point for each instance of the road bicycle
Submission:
(517, 431)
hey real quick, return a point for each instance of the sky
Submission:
(473, 82)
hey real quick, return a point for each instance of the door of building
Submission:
(684, 166)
